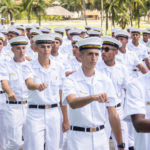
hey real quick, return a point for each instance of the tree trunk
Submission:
(29, 17)
(138, 16)
(84, 11)
(39, 19)
(113, 21)
(106, 21)
(102, 9)
(11, 17)
(131, 15)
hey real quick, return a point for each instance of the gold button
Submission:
(47, 106)
(23, 102)
(148, 103)
(92, 129)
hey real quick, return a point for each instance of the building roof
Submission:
(58, 11)
(92, 13)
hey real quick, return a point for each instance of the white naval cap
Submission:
(57, 36)
(13, 21)
(3, 19)
(122, 33)
(89, 43)
(93, 33)
(43, 39)
(59, 30)
(83, 30)
(87, 27)
(13, 30)
(97, 29)
(48, 28)
(2, 37)
(45, 30)
(35, 31)
(19, 40)
(4, 31)
(28, 27)
(129, 28)
(20, 27)
(107, 40)
(146, 31)
(36, 26)
(135, 30)
(74, 31)
(115, 29)
(76, 39)
(68, 28)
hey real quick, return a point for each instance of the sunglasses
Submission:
(107, 49)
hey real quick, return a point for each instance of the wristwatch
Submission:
(122, 145)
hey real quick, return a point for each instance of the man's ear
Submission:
(12, 49)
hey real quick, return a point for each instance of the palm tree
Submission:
(35, 7)
(9, 8)
(27, 7)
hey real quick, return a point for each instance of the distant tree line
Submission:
(121, 12)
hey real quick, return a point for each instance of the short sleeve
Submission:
(111, 94)
(135, 101)
(4, 75)
(68, 88)
(145, 53)
(27, 71)
(62, 77)
(136, 60)
(126, 78)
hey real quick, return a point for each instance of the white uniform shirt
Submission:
(140, 50)
(147, 44)
(130, 60)
(30, 53)
(13, 72)
(53, 76)
(7, 51)
(2, 96)
(137, 102)
(119, 76)
(66, 48)
(94, 113)
(72, 64)
(61, 58)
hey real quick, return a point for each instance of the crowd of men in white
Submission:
(73, 89)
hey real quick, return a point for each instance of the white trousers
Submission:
(2, 126)
(77, 140)
(131, 138)
(14, 119)
(42, 127)
(124, 130)
(142, 140)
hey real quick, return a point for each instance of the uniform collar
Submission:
(82, 77)
(37, 65)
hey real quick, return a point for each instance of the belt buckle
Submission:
(47, 106)
(148, 103)
(23, 102)
(92, 129)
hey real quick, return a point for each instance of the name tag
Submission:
(36, 76)
(12, 74)
(83, 92)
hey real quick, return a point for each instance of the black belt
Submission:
(118, 105)
(136, 70)
(82, 129)
(17, 102)
(1, 92)
(43, 106)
